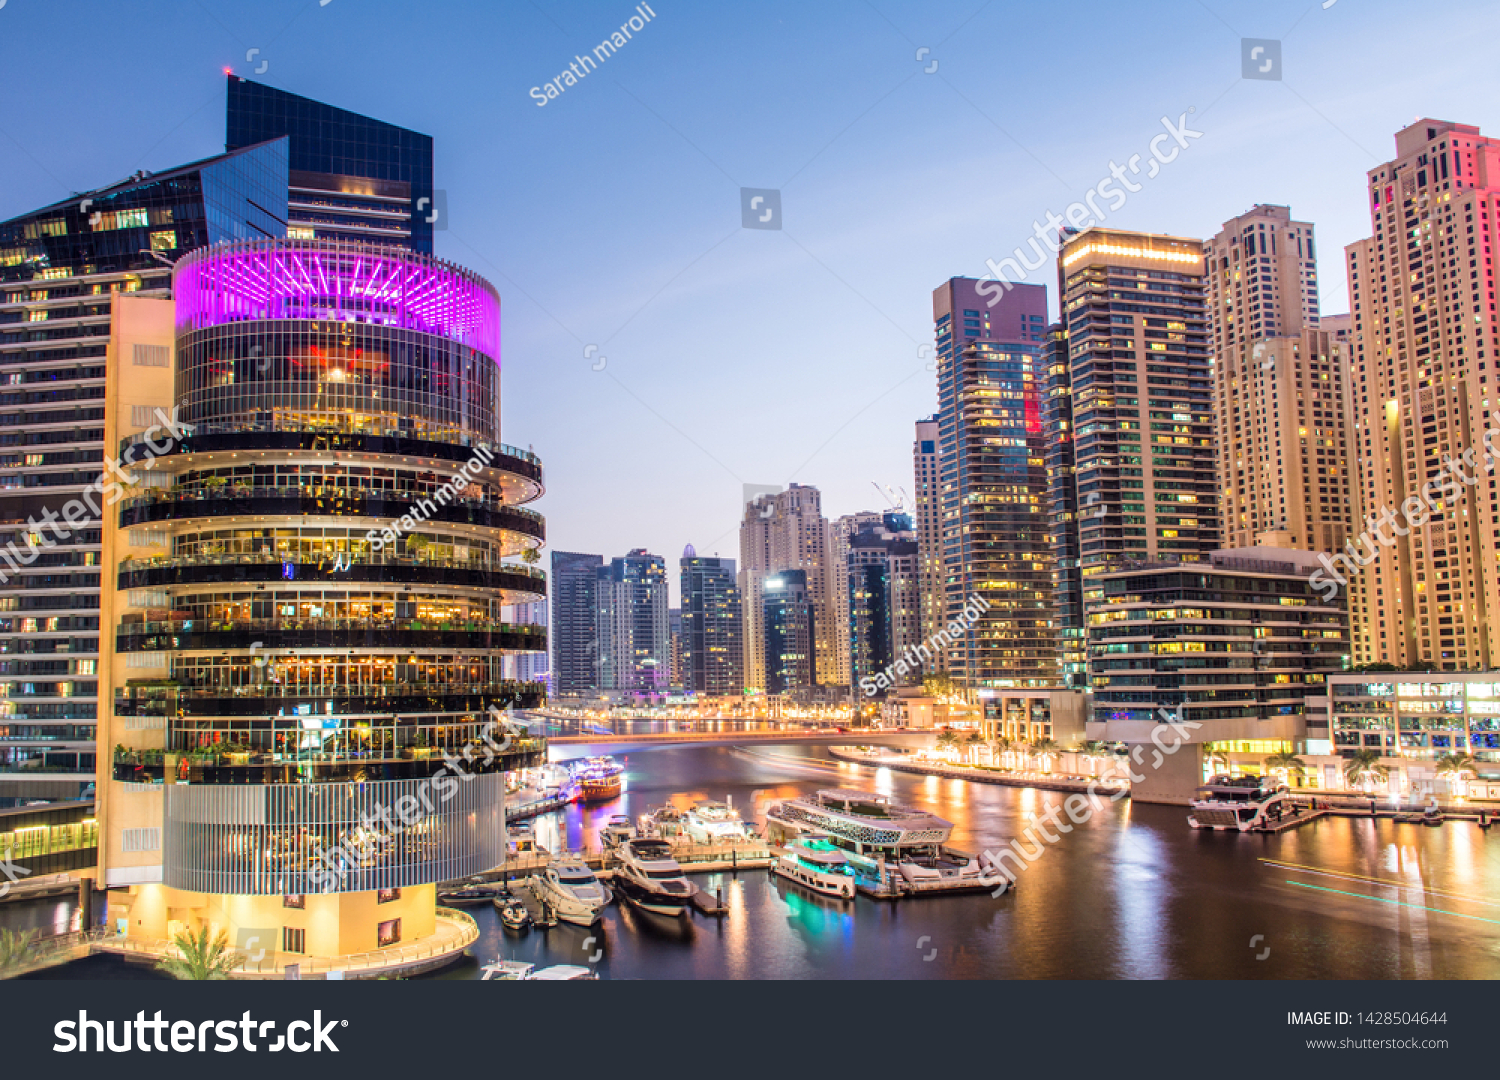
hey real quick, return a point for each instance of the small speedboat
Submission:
(513, 913)
(467, 896)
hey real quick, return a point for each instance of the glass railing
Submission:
(447, 436)
(210, 626)
(156, 706)
(405, 501)
(365, 558)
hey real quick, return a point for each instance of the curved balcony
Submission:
(237, 501)
(318, 767)
(196, 635)
(524, 583)
(381, 699)
(454, 446)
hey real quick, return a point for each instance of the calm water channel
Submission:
(1134, 893)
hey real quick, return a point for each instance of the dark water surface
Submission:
(1133, 893)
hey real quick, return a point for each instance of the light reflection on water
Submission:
(1131, 893)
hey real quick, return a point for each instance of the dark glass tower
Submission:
(711, 626)
(352, 177)
(1062, 490)
(791, 630)
(575, 623)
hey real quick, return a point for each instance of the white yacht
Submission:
(1243, 803)
(649, 877)
(571, 890)
(520, 971)
(714, 823)
(880, 838)
(617, 831)
(815, 862)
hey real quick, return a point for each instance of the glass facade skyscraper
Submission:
(992, 450)
(712, 627)
(352, 177)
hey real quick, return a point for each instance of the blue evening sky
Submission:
(610, 216)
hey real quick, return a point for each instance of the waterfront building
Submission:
(1425, 344)
(1026, 716)
(352, 178)
(712, 626)
(883, 579)
(1233, 644)
(790, 621)
(928, 519)
(787, 531)
(1141, 381)
(634, 627)
(840, 531)
(992, 478)
(575, 623)
(62, 269)
(1280, 388)
(302, 634)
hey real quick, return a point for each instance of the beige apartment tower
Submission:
(1280, 388)
(1422, 290)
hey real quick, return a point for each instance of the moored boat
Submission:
(513, 914)
(714, 823)
(600, 779)
(617, 831)
(570, 889)
(1241, 803)
(815, 862)
(649, 877)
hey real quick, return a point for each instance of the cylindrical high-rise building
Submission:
(304, 632)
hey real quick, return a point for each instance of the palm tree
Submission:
(15, 947)
(199, 957)
(1000, 747)
(972, 742)
(1365, 767)
(1095, 751)
(1454, 767)
(1214, 758)
(1283, 763)
(1044, 750)
(946, 739)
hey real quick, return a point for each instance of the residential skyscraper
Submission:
(1280, 388)
(840, 532)
(787, 531)
(992, 476)
(1422, 292)
(352, 178)
(883, 580)
(712, 626)
(62, 269)
(634, 625)
(790, 622)
(575, 623)
(1062, 521)
(1141, 380)
(928, 519)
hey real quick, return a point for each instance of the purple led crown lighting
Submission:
(336, 282)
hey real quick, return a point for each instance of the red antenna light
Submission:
(229, 71)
